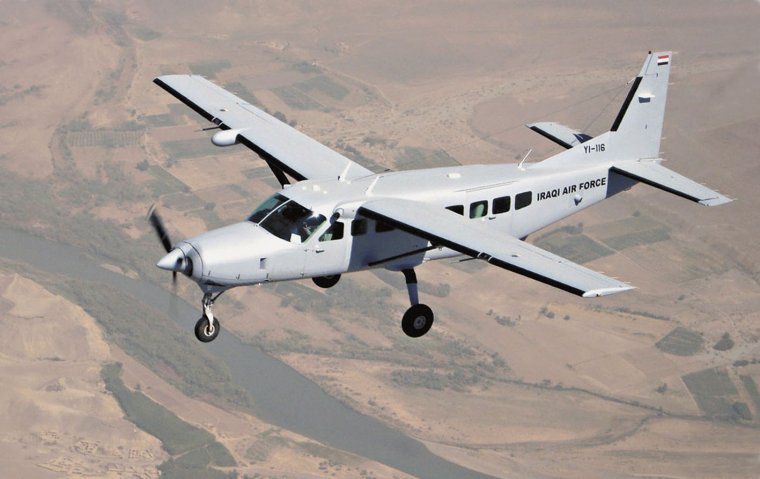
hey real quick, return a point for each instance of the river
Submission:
(282, 396)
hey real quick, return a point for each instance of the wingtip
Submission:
(720, 200)
(595, 293)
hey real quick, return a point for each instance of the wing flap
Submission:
(474, 238)
(654, 174)
(289, 149)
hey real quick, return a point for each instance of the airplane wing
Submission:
(562, 135)
(474, 238)
(277, 143)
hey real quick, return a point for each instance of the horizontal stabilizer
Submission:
(560, 134)
(654, 174)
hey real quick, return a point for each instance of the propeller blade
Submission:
(158, 226)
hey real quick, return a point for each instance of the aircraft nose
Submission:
(173, 261)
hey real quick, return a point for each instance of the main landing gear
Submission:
(418, 319)
(207, 328)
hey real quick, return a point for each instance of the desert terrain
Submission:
(516, 379)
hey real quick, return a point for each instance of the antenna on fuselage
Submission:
(342, 176)
(520, 165)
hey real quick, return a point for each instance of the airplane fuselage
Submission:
(513, 200)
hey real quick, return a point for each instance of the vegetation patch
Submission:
(681, 342)
(296, 98)
(196, 448)
(429, 379)
(160, 120)
(105, 138)
(183, 201)
(152, 338)
(413, 158)
(630, 232)
(258, 172)
(164, 183)
(323, 84)
(578, 248)
(724, 343)
(143, 33)
(356, 155)
(192, 148)
(244, 93)
(751, 387)
(713, 391)
(209, 69)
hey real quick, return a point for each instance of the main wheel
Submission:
(205, 332)
(326, 281)
(417, 320)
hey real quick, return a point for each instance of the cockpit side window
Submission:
(334, 232)
(292, 221)
(269, 205)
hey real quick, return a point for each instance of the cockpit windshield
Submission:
(292, 220)
(270, 204)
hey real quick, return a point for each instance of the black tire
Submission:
(326, 281)
(202, 330)
(417, 320)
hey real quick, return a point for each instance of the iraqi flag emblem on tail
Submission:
(663, 60)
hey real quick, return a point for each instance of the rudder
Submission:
(637, 129)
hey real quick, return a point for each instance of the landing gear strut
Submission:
(418, 319)
(207, 328)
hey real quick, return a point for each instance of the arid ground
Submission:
(516, 379)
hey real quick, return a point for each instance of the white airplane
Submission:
(340, 217)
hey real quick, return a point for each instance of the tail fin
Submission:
(637, 129)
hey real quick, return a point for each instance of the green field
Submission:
(183, 201)
(241, 91)
(713, 391)
(192, 148)
(157, 121)
(575, 247)
(751, 387)
(325, 85)
(197, 448)
(209, 69)
(412, 158)
(681, 342)
(165, 183)
(630, 232)
(105, 138)
(296, 98)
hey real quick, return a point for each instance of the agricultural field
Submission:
(516, 379)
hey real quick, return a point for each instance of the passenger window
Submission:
(523, 199)
(501, 205)
(334, 232)
(382, 227)
(358, 227)
(478, 209)
(458, 209)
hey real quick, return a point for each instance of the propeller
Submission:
(163, 236)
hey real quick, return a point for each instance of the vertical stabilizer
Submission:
(637, 129)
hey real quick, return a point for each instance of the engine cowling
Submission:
(226, 137)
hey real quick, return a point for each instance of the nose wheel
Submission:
(207, 328)
(418, 319)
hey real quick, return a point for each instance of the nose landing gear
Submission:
(207, 328)
(418, 319)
